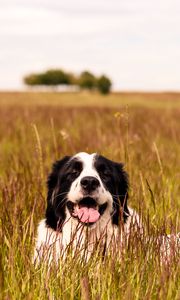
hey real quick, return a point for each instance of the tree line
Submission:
(56, 77)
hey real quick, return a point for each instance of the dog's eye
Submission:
(75, 172)
(77, 168)
(104, 171)
(71, 175)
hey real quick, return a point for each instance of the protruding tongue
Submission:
(88, 215)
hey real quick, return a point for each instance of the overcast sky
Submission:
(135, 42)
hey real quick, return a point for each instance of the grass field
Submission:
(141, 130)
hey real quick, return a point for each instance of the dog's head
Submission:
(86, 187)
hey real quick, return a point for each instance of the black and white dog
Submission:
(87, 201)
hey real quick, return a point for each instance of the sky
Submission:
(135, 42)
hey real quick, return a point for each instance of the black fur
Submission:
(55, 212)
(65, 171)
(115, 180)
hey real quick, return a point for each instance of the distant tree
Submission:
(55, 77)
(51, 77)
(33, 79)
(87, 80)
(104, 84)
(73, 79)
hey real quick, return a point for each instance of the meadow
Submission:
(140, 130)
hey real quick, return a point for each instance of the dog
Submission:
(86, 202)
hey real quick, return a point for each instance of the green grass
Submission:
(141, 130)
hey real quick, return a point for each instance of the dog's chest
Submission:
(83, 238)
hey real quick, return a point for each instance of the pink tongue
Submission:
(88, 215)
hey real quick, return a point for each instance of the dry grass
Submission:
(93, 99)
(141, 130)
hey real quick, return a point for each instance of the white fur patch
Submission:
(51, 245)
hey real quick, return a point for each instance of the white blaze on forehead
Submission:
(88, 164)
(85, 156)
(88, 169)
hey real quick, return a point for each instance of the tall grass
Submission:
(146, 139)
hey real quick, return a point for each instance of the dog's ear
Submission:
(54, 217)
(54, 175)
(121, 186)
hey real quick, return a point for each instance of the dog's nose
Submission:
(89, 183)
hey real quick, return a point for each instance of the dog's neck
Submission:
(87, 236)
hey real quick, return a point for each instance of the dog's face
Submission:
(86, 187)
